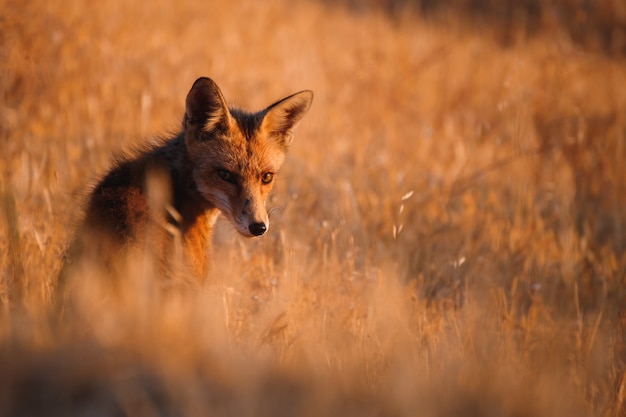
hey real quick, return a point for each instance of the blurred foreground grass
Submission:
(448, 233)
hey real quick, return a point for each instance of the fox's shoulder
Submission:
(120, 198)
(129, 169)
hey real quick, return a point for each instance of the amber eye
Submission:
(267, 177)
(226, 175)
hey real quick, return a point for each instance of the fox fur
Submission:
(224, 160)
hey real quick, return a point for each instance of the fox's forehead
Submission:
(249, 124)
(247, 151)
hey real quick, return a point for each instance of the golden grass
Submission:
(448, 237)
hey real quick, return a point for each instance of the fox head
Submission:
(236, 155)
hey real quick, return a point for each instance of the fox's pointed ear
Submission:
(282, 117)
(206, 108)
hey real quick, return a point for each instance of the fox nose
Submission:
(257, 229)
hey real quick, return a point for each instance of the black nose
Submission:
(257, 229)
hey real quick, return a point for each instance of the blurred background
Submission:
(447, 232)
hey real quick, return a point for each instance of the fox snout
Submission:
(249, 226)
(257, 229)
(252, 219)
(258, 221)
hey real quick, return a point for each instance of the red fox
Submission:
(224, 160)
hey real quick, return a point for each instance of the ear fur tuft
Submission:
(282, 117)
(206, 108)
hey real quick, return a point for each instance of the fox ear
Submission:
(206, 108)
(282, 117)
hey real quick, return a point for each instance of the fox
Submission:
(224, 161)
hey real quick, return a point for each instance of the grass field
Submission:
(448, 232)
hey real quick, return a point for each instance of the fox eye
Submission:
(226, 176)
(267, 177)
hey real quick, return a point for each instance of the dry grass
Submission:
(448, 239)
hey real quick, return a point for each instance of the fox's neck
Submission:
(189, 204)
(193, 215)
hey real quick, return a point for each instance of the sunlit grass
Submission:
(447, 232)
